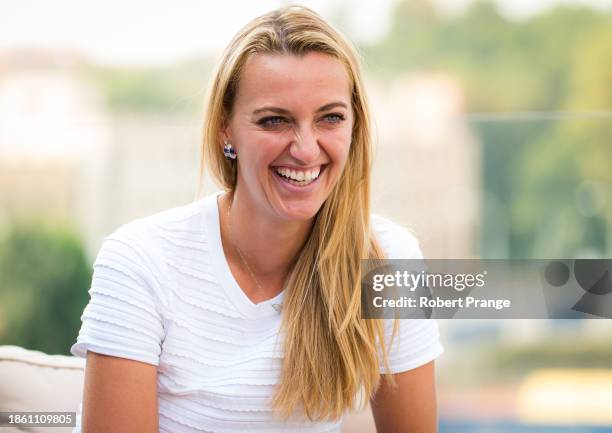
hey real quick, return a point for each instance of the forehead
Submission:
(285, 79)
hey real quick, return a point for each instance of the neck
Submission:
(269, 245)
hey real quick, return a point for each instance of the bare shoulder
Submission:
(119, 395)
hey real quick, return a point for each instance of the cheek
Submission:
(268, 146)
(260, 150)
(260, 147)
(341, 145)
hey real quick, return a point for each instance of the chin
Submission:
(300, 212)
(301, 215)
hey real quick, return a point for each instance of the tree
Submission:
(44, 275)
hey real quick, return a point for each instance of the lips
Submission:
(296, 186)
(305, 176)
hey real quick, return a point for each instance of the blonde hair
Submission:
(335, 356)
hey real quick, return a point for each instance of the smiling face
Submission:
(292, 119)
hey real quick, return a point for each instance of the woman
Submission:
(241, 311)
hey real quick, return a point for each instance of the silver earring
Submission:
(229, 151)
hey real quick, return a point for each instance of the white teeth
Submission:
(299, 176)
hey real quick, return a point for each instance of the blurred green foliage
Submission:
(535, 168)
(174, 89)
(44, 278)
(509, 362)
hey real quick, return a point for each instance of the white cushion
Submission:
(34, 381)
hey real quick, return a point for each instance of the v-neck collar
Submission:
(241, 301)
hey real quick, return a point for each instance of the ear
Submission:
(224, 131)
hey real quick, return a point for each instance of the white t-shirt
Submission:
(163, 293)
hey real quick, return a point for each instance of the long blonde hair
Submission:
(330, 353)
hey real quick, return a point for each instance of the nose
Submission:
(305, 146)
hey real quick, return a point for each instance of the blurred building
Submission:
(149, 164)
(63, 156)
(43, 108)
(427, 173)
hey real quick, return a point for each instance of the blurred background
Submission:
(493, 137)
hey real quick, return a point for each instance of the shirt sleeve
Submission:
(417, 341)
(123, 317)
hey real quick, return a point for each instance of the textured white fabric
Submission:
(163, 293)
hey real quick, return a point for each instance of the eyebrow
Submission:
(284, 111)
